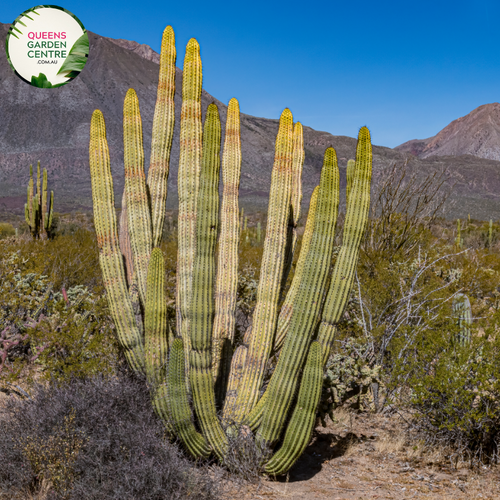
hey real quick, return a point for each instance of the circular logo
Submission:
(47, 46)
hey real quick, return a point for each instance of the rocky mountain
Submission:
(476, 134)
(52, 125)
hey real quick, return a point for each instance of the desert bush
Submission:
(6, 230)
(68, 333)
(455, 399)
(94, 439)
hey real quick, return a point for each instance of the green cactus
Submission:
(490, 234)
(194, 375)
(462, 312)
(259, 232)
(38, 217)
(459, 241)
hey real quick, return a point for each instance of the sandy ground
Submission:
(367, 457)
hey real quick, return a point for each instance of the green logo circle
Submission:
(47, 46)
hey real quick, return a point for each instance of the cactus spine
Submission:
(38, 217)
(206, 292)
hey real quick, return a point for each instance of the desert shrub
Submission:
(67, 260)
(96, 439)
(68, 334)
(455, 399)
(6, 230)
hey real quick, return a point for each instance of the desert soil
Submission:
(368, 457)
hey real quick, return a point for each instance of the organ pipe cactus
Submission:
(197, 373)
(38, 217)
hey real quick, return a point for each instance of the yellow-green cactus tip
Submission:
(193, 45)
(287, 115)
(212, 108)
(168, 31)
(364, 133)
(233, 103)
(131, 94)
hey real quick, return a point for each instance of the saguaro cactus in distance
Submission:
(187, 374)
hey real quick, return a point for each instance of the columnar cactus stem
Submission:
(299, 430)
(227, 261)
(110, 257)
(202, 303)
(155, 321)
(163, 132)
(286, 308)
(188, 181)
(349, 175)
(306, 307)
(179, 411)
(295, 199)
(139, 218)
(266, 310)
(125, 246)
(38, 217)
(354, 229)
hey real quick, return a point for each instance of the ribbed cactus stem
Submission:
(177, 401)
(259, 232)
(226, 283)
(237, 367)
(139, 218)
(155, 321)
(110, 257)
(349, 175)
(490, 234)
(458, 241)
(43, 206)
(306, 307)
(300, 428)
(286, 308)
(354, 229)
(188, 181)
(462, 312)
(266, 310)
(295, 200)
(125, 246)
(202, 303)
(163, 132)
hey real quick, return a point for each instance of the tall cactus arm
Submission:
(307, 306)
(188, 181)
(299, 430)
(50, 214)
(202, 303)
(163, 132)
(110, 257)
(155, 321)
(30, 216)
(295, 200)
(266, 309)
(286, 308)
(237, 367)
(125, 246)
(139, 218)
(38, 183)
(349, 177)
(176, 397)
(43, 206)
(354, 229)
(226, 282)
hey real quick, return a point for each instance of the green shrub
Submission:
(6, 230)
(455, 398)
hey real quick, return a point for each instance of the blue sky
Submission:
(403, 69)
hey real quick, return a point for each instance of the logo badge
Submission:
(47, 46)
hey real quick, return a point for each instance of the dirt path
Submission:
(366, 457)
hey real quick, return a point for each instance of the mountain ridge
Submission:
(52, 125)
